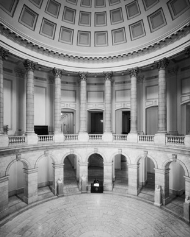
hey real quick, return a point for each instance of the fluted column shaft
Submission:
(57, 101)
(162, 123)
(133, 75)
(108, 110)
(83, 105)
(30, 67)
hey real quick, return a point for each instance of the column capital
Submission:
(57, 72)
(83, 76)
(162, 171)
(30, 171)
(140, 78)
(162, 64)
(173, 70)
(134, 72)
(3, 53)
(58, 166)
(108, 76)
(29, 65)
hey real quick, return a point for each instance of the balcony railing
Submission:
(146, 138)
(45, 138)
(178, 140)
(119, 137)
(16, 140)
(71, 137)
(95, 137)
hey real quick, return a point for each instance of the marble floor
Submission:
(90, 215)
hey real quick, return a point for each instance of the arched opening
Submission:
(70, 174)
(16, 186)
(45, 178)
(95, 168)
(121, 173)
(152, 120)
(146, 178)
(175, 191)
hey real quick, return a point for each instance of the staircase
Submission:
(70, 182)
(44, 193)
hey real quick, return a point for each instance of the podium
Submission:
(97, 187)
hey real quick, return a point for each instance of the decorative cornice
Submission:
(162, 64)
(57, 72)
(134, 72)
(3, 53)
(108, 76)
(12, 33)
(29, 65)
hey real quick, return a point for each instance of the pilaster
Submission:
(107, 135)
(32, 138)
(162, 181)
(31, 185)
(58, 135)
(108, 182)
(132, 136)
(3, 137)
(133, 183)
(83, 174)
(4, 199)
(58, 174)
(186, 205)
(83, 135)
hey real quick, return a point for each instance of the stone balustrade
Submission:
(146, 138)
(45, 138)
(16, 140)
(178, 140)
(119, 137)
(95, 137)
(71, 137)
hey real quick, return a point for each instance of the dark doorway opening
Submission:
(96, 122)
(126, 122)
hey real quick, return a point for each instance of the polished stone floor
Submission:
(90, 215)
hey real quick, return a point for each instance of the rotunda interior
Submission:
(94, 90)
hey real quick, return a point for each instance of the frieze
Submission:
(3, 53)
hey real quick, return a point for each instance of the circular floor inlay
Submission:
(90, 215)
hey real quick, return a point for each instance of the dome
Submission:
(93, 33)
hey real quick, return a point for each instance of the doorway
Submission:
(123, 121)
(67, 122)
(95, 122)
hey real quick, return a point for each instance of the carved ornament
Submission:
(134, 72)
(108, 76)
(57, 72)
(162, 64)
(29, 65)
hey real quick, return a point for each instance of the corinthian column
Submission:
(162, 123)
(132, 136)
(58, 135)
(83, 135)
(107, 136)
(3, 137)
(31, 136)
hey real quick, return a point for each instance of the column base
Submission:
(59, 137)
(107, 137)
(160, 138)
(83, 137)
(4, 140)
(108, 187)
(31, 138)
(132, 137)
(157, 196)
(29, 200)
(187, 140)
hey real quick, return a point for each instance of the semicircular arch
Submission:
(166, 164)
(67, 154)
(150, 157)
(99, 153)
(41, 157)
(24, 162)
(123, 153)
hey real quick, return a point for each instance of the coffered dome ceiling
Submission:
(93, 29)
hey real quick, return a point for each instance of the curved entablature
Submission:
(95, 37)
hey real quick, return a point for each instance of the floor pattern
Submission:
(95, 215)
